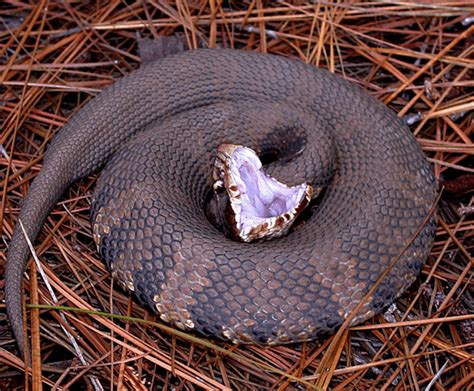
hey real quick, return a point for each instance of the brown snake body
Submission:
(156, 132)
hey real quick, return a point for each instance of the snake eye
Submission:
(260, 206)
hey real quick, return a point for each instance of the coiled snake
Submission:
(157, 131)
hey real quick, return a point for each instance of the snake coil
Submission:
(156, 132)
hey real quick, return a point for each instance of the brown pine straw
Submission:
(415, 56)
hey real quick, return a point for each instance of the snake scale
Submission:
(155, 133)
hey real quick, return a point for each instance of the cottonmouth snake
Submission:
(156, 131)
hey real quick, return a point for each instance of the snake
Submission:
(154, 134)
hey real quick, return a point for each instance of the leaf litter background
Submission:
(417, 57)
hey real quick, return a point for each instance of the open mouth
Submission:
(260, 206)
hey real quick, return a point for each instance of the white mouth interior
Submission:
(261, 196)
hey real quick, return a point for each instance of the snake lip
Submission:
(261, 207)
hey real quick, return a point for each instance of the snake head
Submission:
(258, 206)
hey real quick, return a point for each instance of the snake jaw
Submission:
(260, 206)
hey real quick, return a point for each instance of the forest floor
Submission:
(416, 57)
